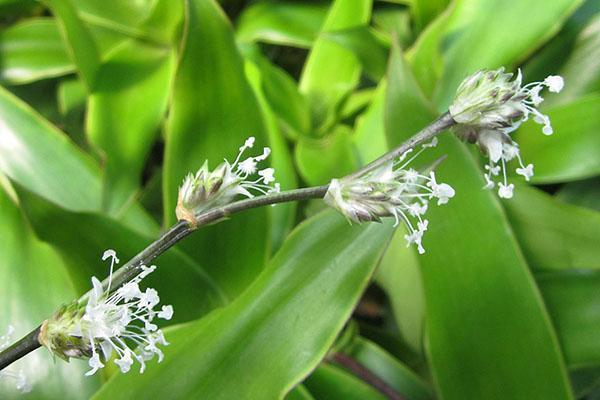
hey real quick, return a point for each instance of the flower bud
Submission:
(206, 189)
(391, 190)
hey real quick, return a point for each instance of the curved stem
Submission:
(366, 375)
(182, 229)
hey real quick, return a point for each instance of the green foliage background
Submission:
(105, 105)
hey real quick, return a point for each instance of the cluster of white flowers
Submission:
(488, 107)
(20, 379)
(121, 322)
(205, 189)
(390, 190)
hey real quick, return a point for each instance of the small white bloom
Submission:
(112, 322)
(527, 172)
(505, 191)
(555, 83)
(166, 312)
(206, 189)
(390, 190)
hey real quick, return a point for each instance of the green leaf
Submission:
(581, 71)
(554, 235)
(369, 136)
(573, 302)
(33, 282)
(38, 156)
(289, 23)
(31, 50)
(213, 111)
(331, 71)
(299, 393)
(320, 160)
(424, 11)
(83, 237)
(487, 34)
(278, 330)
(367, 45)
(571, 153)
(406, 108)
(582, 193)
(281, 91)
(282, 215)
(124, 113)
(482, 302)
(78, 39)
(394, 20)
(333, 382)
(400, 276)
(390, 370)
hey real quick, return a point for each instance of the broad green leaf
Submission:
(282, 215)
(356, 103)
(573, 302)
(481, 301)
(31, 50)
(369, 136)
(289, 23)
(581, 71)
(33, 282)
(78, 39)
(213, 111)
(367, 45)
(400, 276)
(333, 382)
(394, 20)
(571, 153)
(119, 15)
(425, 11)
(425, 55)
(553, 56)
(582, 193)
(277, 331)
(299, 393)
(37, 156)
(81, 238)
(124, 114)
(331, 71)
(71, 96)
(487, 34)
(390, 370)
(319, 160)
(281, 91)
(406, 108)
(552, 234)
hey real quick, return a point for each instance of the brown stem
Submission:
(366, 375)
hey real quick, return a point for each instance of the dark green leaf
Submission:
(213, 111)
(333, 382)
(554, 235)
(571, 153)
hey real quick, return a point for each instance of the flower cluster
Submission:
(208, 189)
(488, 106)
(19, 377)
(119, 322)
(390, 190)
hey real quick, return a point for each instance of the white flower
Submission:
(500, 149)
(555, 83)
(390, 190)
(505, 191)
(489, 100)
(206, 189)
(120, 322)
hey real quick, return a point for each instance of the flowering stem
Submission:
(182, 228)
(366, 375)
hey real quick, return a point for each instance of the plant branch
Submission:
(365, 374)
(182, 228)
